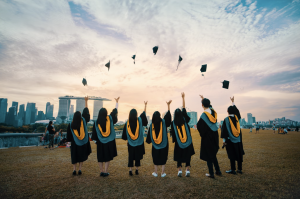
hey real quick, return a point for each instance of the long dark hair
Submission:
(86, 114)
(132, 116)
(76, 121)
(102, 118)
(156, 119)
(178, 117)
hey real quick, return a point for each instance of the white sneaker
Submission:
(179, 173)
(187, 173)
(154, 174)
(163, 175)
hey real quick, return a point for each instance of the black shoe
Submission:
(231, 172)
(105, 174)
(102, 174)
(79, 172)
(74, 173)
(218, 173)
(210, 176)
(130, 173)
(136, 172)
(240, 171)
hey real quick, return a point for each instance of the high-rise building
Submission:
(80, 105)
(193, 116)
(11, 116)
(3, 109)
(50, 112)
(41, 115)
(249, 116)
(15, 104)
(30, 113)
(71, 112)
(253, 120)
(283, 118)
(46, 111)
(21, 114)
(97, 106)
(63, 109)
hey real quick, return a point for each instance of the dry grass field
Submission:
(271, 170)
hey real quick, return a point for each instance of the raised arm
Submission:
(167, 117)
(183, 100)
(236, 111)
(117, 102)
(86, 101)
(145, 102)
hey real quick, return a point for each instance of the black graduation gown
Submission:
(182, 155)
(160, 156)
(209, 141)
(235, 151)
(106, 152)
(135, 153)
(78, 153)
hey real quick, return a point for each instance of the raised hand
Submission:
(201, 97)
(169, 102)
(182, 95)
(232, 99)
(86, 98)
(117, 99)
(145, 102)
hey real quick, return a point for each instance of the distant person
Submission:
(250, 131)
(133, 131)
(279, 130)
(104, 134)
(58, 137)
(77, 134)
(232, 138)
(274, 128)
(257, 128)
(51, 130)
(297, 129)
(158, 136)
(209, 137)
(285, 130)
(181, 136)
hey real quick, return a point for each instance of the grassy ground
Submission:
(271, 170)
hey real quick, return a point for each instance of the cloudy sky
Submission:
(47, 47)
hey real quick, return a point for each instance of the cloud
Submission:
(49, 46)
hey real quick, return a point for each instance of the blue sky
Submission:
(47, 47)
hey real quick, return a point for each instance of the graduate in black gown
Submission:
(104, 135)
(133, 131)
(181, 135)
(232, 138)
(158, 136)
(77, 134)
(208, 129)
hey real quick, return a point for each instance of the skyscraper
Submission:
(11, 116)
(50, 112)
(21, 114)
(71, 112)
(80, 105)
(63, 109)
(30, 113)
(97, 106)
(253, 120)
(249, 116)
(41, 115)
(193, 116)
(3, 109)
(46, 111)
(15, 104)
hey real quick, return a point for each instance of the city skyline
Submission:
(252, 44)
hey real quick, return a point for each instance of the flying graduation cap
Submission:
(225, 84)
(133, 57)
(155, 49)
(108, 65)
(179, 60)
(84, 82)
(203, 69)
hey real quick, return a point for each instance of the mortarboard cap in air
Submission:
(133, 57)
(225, 84)
(155, 48)
(84, 82)
(108, 65)
(203, 68)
